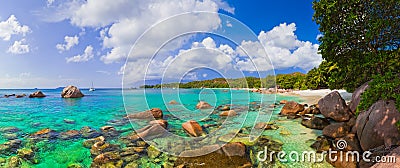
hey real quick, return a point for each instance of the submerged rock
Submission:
(9, 129)
(109, 132)
(88, 132)
(333, 106)
(69, 121)
(149, 132)
(156, 113)
(26, 153)
(162, 123)
(228, 113)
(37, 94)
(108, 159)
(71, 134)
(102, 147)
(322, 144)
(225, 108)
(193, 128)
(234, 149)
(71, 92)
(315, 123)
(173, 102)
(152, 152)
(75, 165)
(10, 147)
(46, 133)
(90, 142)
(203, 105)
(14, 161)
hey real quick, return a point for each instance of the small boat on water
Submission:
(91, 89)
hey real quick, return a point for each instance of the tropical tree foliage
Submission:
(362, 38)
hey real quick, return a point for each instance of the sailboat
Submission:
(91, 89)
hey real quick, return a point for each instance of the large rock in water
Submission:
(377, 126)
(356, 97)
(157, 128)
(203, 105)
(37, 94)
(193, 128)
(291, 108)
(149, 114)
(333, 106)
(71, 92)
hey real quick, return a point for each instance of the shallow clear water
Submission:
(104, 106)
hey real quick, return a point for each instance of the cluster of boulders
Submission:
(67, 92)
(374, 130)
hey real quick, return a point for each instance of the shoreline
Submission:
(313, 96)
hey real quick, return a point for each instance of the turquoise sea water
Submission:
(106, 107)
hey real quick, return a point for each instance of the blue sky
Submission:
(51, 43)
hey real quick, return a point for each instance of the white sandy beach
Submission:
(312, 96)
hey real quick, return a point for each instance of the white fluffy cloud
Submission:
(86, 56)
(123, 21)
(10, 27)
(283, 48)
(279, 48)
(69, 43)
(19, 47)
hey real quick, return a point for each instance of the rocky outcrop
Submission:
(37, 94)
(71, 92)
(156, 113)
(203, 105)
(333, 106)
(377, 125)
(193, 128)
(356, 97)
(291, 108)
(315, 123)
(154, 130)
(45, 134)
